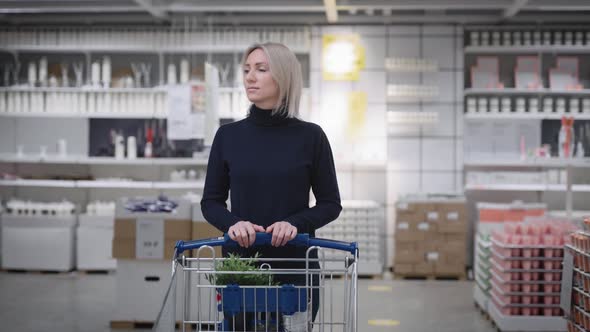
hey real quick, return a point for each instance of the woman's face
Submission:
(261, 88)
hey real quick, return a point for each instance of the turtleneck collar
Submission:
(264, 117)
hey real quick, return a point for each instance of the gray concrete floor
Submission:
(75, 302)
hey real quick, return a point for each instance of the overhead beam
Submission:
(156, 12)
(331, 11)
(516, 6)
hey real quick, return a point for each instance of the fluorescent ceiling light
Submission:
(331, 11)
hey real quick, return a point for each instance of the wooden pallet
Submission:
(142, 325)
(95, 272)
(18, 271)
(429, 277)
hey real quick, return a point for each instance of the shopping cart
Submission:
(267, 299)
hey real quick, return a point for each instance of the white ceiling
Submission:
(292, 11)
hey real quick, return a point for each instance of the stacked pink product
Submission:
(526, 267)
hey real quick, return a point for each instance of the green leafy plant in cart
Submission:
(236, 263)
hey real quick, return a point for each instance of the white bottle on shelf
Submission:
(485, 38)
(557, 38)
(579, 38)
(119, 147)
(184, 71)
(494, 105)
(171, 77)
(3, 101)
(568, 38)
(474, 38)
(43, 71)
(131, 147)
(526, 38)
(586, 105)
(32, 74)
(560, 105)
(548, 105)
(506, 104)
(574, 106)
(547, 38)
(482, 105)
(520, 105)
(537, 38)
(496, 41)
(506, 40)
(533, 105)
(516, 38)
(106, 71)
(95, 74)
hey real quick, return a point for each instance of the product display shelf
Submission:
(361, 222)
(525, 323)
(105, 184)
(84, 160)
(138, 49)
(530, 162)
(525, 116)
(480, 298)
(85, 115)
(578, 319)
(515, 91)
(528, 49)
(519, 187)
(526, 285)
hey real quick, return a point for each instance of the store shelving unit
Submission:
(84, 160)
(506, 54)
(529, 49)
(158, 47)
(103, 184)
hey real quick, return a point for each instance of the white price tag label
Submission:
(423, 226)
(432, 216)
(432, 256)
(150, 238)
(453, 216)
(402, 206)
(403, 225)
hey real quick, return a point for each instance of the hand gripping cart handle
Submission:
(288, 306)
(262, 239)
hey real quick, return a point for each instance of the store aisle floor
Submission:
(75, 302)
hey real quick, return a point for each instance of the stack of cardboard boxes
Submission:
(143, 245)
(431, 238)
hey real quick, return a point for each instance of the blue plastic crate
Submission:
(286, 299)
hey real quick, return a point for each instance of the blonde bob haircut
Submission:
(286, 71)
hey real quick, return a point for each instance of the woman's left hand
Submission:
(282, 232)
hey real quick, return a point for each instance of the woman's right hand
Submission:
(244, 233)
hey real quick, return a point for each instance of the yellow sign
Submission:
(376, 288)
(383, 322)
(342, 57)
(357, 109)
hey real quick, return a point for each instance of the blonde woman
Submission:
(268, 162)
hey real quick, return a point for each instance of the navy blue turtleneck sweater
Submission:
(268, 163)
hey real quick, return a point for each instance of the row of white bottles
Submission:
(149, 103)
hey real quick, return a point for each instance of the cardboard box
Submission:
(403, 269)
(424, 268)
(204, 230)
(458, 238)
(449, 269)
(411, 218)
(406, 253)
(453, 227)
(126, 241)
(453, 211)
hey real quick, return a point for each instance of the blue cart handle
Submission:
(301, 240)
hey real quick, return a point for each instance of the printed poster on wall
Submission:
(187, 105)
